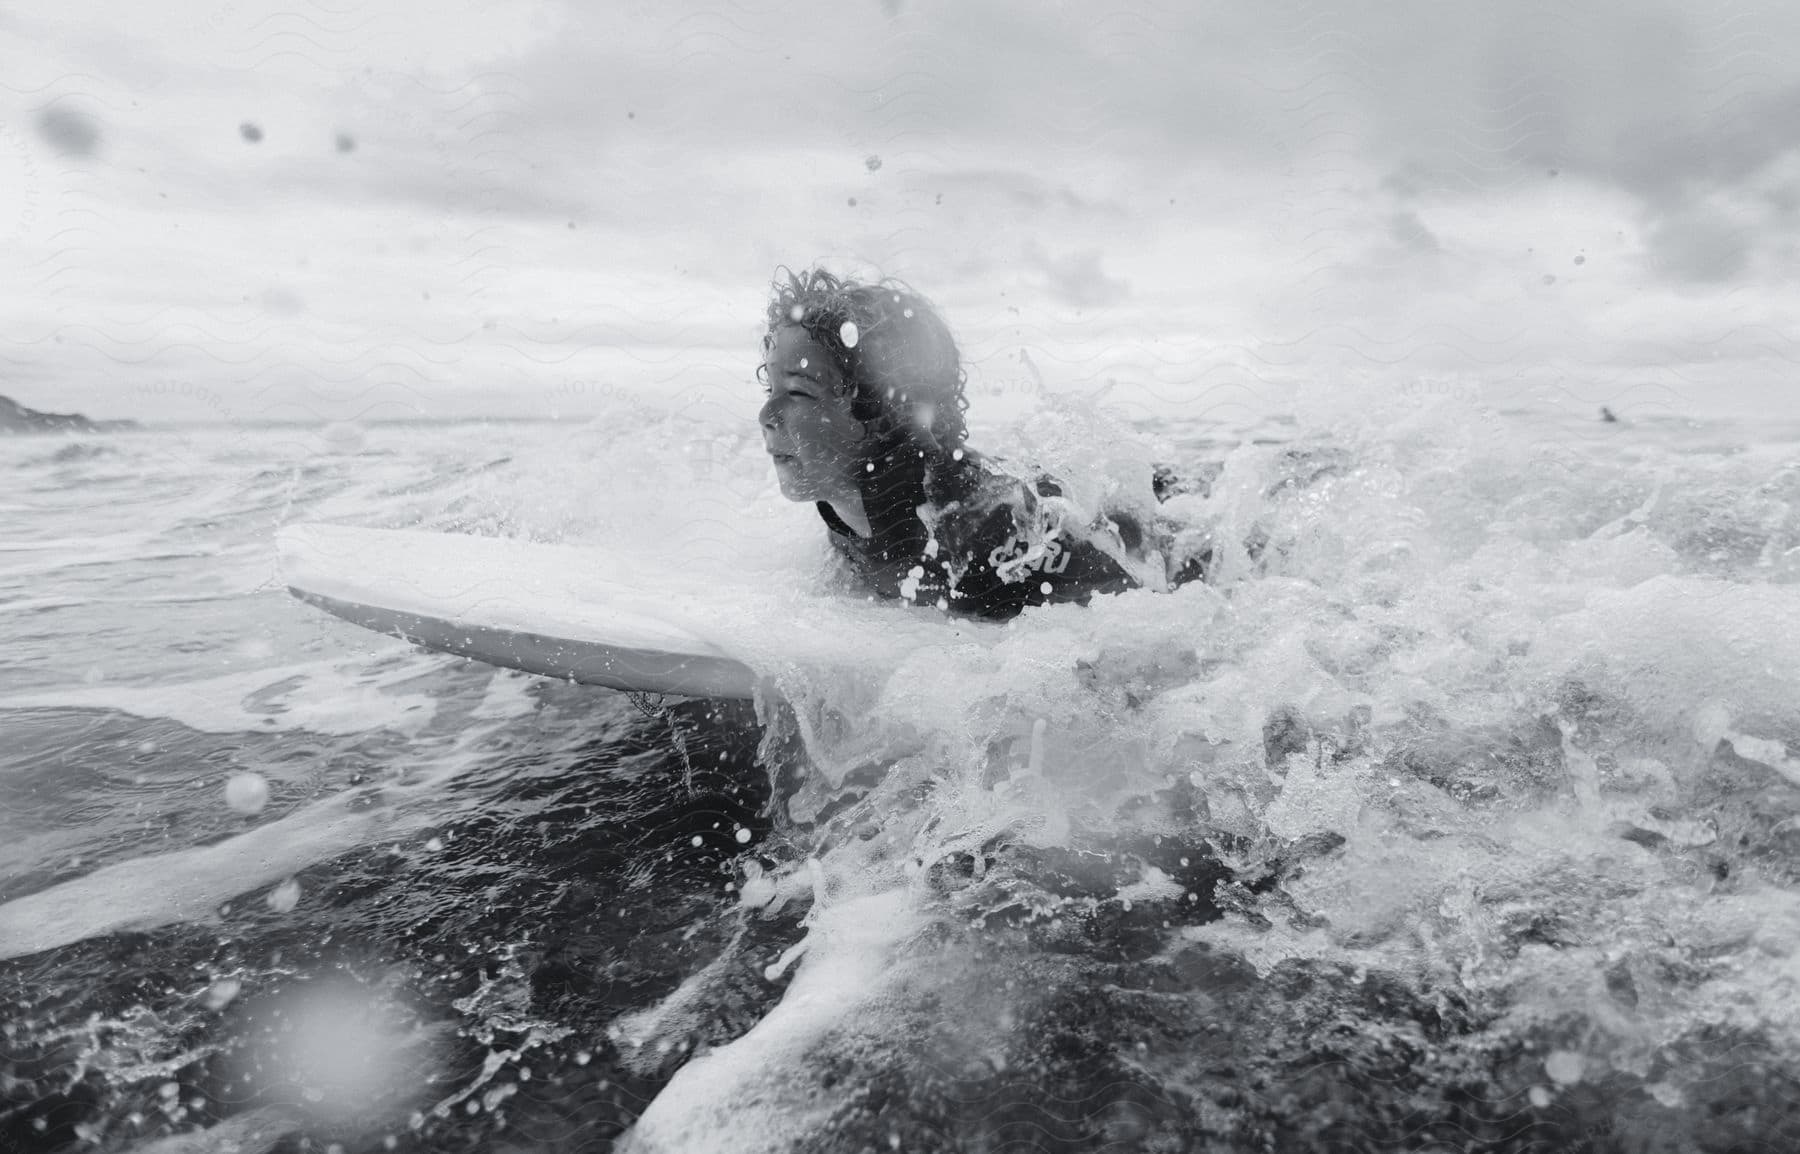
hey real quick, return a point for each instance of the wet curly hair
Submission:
(900, 361)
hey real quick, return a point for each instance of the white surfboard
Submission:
(584, 613)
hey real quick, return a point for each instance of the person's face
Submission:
(806, 423)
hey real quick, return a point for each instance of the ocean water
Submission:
(1459, 811)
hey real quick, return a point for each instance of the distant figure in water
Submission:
(1608, 416)
(865, 417)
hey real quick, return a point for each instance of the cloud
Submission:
(1022, 189)
(1409, 232)
(1696, 245)
(1227, 174)
(1077, 279)
(1671, 164)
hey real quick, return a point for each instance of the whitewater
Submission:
(1458, 810)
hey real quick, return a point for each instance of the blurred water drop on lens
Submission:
(336, 1046)
(223, 993)
(1564, 1067)
(285, 896)
(247, 792)
(69, 132)
(283, 302)
(341, 438)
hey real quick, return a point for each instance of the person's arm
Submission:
(998, 576)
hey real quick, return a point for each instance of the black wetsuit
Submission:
(957, 533)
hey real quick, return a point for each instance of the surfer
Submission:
(865, 418)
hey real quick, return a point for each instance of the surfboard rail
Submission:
(583, 662)
(401, 583)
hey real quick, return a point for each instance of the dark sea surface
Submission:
(1459, 811)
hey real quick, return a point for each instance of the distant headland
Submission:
(16, 418)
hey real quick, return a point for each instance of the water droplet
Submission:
(743, 836)
(797, 314)
(69, 131)
(285, 896)
(697, 841)
(849, 334)
(223, 993)
(757, 891)
(247, 792)
(1044, 588)
(1564, 1067)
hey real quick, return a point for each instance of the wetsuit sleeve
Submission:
(992, 579)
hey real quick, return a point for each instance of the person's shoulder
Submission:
(963, 470)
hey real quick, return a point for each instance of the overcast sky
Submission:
(251, 209)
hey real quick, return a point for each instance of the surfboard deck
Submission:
(561, 611)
